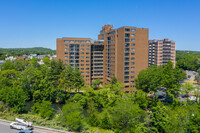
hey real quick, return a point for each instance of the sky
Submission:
(37, 23)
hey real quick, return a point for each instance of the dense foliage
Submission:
(155, 77)
(22, 81)
(25, 51)
(188, 60)
(105, 109)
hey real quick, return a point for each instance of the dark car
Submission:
(169, 100)
(160, 96)
(185, 95)
(25, 131)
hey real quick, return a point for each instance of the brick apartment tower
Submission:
(125, 54)
(161, 51)
(121, 52)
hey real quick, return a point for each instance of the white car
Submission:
(19, 126)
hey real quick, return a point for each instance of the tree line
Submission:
(25, 51)
(188, 60)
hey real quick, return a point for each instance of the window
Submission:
(87, 41)
(132, 81)
(126, 49)
(133, 49)
(132, 34)
(126, 77)
(66, 45)
(66, 52)
(87, 60)
(87, 57)
(82, 56)
(87, 45)
(87, 64)
(132, 58)
(82, 41)
(132, 72)
(126, 73)
(132, 77)
(82, 53)
(87, 75)
(126, 45)
(132, 39)
(82, 60)
(132, 53)
(82, 64)
(87, 49)
(126, 68)
(133, 29)
(127, 40)
(132, 44)
(76, 41)
(66, 41)
(132, 67)
(127, 35)
(82, 68)
(126, 63)
(82, 45)
(72, 41)
(127, 29)
(102, 34)
(82, 49)
(66, 49)
(132, 63)
(87, 72)
(66, 57)
(66, 60)
(82, 72)
(87, 53)
(87, 68)
(127, 59)
(126, 54)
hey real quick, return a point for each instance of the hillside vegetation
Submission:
(26, 51)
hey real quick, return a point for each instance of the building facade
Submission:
(121, 52)
(161, 51)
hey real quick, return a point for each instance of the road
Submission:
(5, 128)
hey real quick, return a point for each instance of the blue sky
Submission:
(35, 23)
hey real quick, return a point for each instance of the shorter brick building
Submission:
(161, 51)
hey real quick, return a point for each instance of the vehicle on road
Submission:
(21, 125)
(25, 131)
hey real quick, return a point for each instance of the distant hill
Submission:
(186, 51)
(27, 51)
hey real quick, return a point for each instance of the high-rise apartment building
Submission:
(125, 54)
(161, 51)
(121, 52)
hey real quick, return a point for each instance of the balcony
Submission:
(127, 40)
(126, 60)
